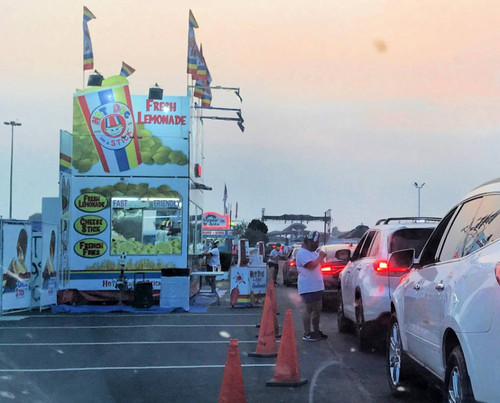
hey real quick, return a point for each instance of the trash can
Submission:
(174, 291)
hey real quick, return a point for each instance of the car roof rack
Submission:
(413, 219)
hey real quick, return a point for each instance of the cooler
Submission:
(174, 291)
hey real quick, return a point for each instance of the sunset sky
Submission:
(346, 103)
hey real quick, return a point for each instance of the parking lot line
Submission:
(32, 370)
(115, 326)
(124, 343)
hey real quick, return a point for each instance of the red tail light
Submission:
(332, 269)
(292, 263)
(381, 267)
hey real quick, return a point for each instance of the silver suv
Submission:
(366, 283)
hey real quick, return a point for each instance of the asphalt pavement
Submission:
(178, 357)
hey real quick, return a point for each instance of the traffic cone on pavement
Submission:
(286, 371)
(266, 344)
(271, 293)
(232, 390)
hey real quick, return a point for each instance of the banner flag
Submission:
(193, 51)
(192, 20)
(88, 55)
(225, 198)
(110, 120)
(206, 99)
(201, 68)
(126, 70)
(199, 88)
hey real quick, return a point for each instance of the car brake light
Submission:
(497, 272)
(292, 263)
(382, 267)
(332, 268)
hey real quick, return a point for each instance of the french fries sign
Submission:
(90, 248)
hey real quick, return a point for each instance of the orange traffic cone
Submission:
(232, 390)
(272, 296)
(271, 293)
(266, 344)
(286, 371)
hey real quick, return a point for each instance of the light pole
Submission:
(328, 214)
(12, 124)
(418, 189)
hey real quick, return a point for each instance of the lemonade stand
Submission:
(131, 165)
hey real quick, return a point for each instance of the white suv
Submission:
(366, 283)
(445, 313)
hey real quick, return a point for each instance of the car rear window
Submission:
(409, 238)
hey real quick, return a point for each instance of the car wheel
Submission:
(344, 325)
(361, 329)
(457, 381)
(397, 371)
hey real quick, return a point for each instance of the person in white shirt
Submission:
(162, 233)
(273, 262)
(310, 285)
(213, 261)
(213, 256)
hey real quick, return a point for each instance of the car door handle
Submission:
(416, 287)
(359, 267)
(439, 286)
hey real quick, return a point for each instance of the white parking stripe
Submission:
(141, 315)
(127, 368)
(125, 343)
(114, 327)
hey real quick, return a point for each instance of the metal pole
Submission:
(12, 124)
(418, 190)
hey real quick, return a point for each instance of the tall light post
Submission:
(419, 187)
(12, 124)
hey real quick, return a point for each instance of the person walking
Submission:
(273, 262)
(310, 285)
(213, 261)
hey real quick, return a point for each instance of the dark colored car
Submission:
(290, 268)
(337, 257)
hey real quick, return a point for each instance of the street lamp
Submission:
(418, 189)
(12, 124)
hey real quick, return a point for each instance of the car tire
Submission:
(457, 382)
(396, 363)
(361, 328)
(344, 325)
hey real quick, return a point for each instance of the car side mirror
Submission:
(343, 254)
(402, 259)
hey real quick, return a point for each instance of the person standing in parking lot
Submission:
(310, 285)
(213, 261)
(273, 262)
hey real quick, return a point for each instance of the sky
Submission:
(346, 104)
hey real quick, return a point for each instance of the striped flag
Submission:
(201, 68)
(201, 76)
(126, 70)
(193, 51)
(88, 55)
(206, 99)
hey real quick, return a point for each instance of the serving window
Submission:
(146, 226)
